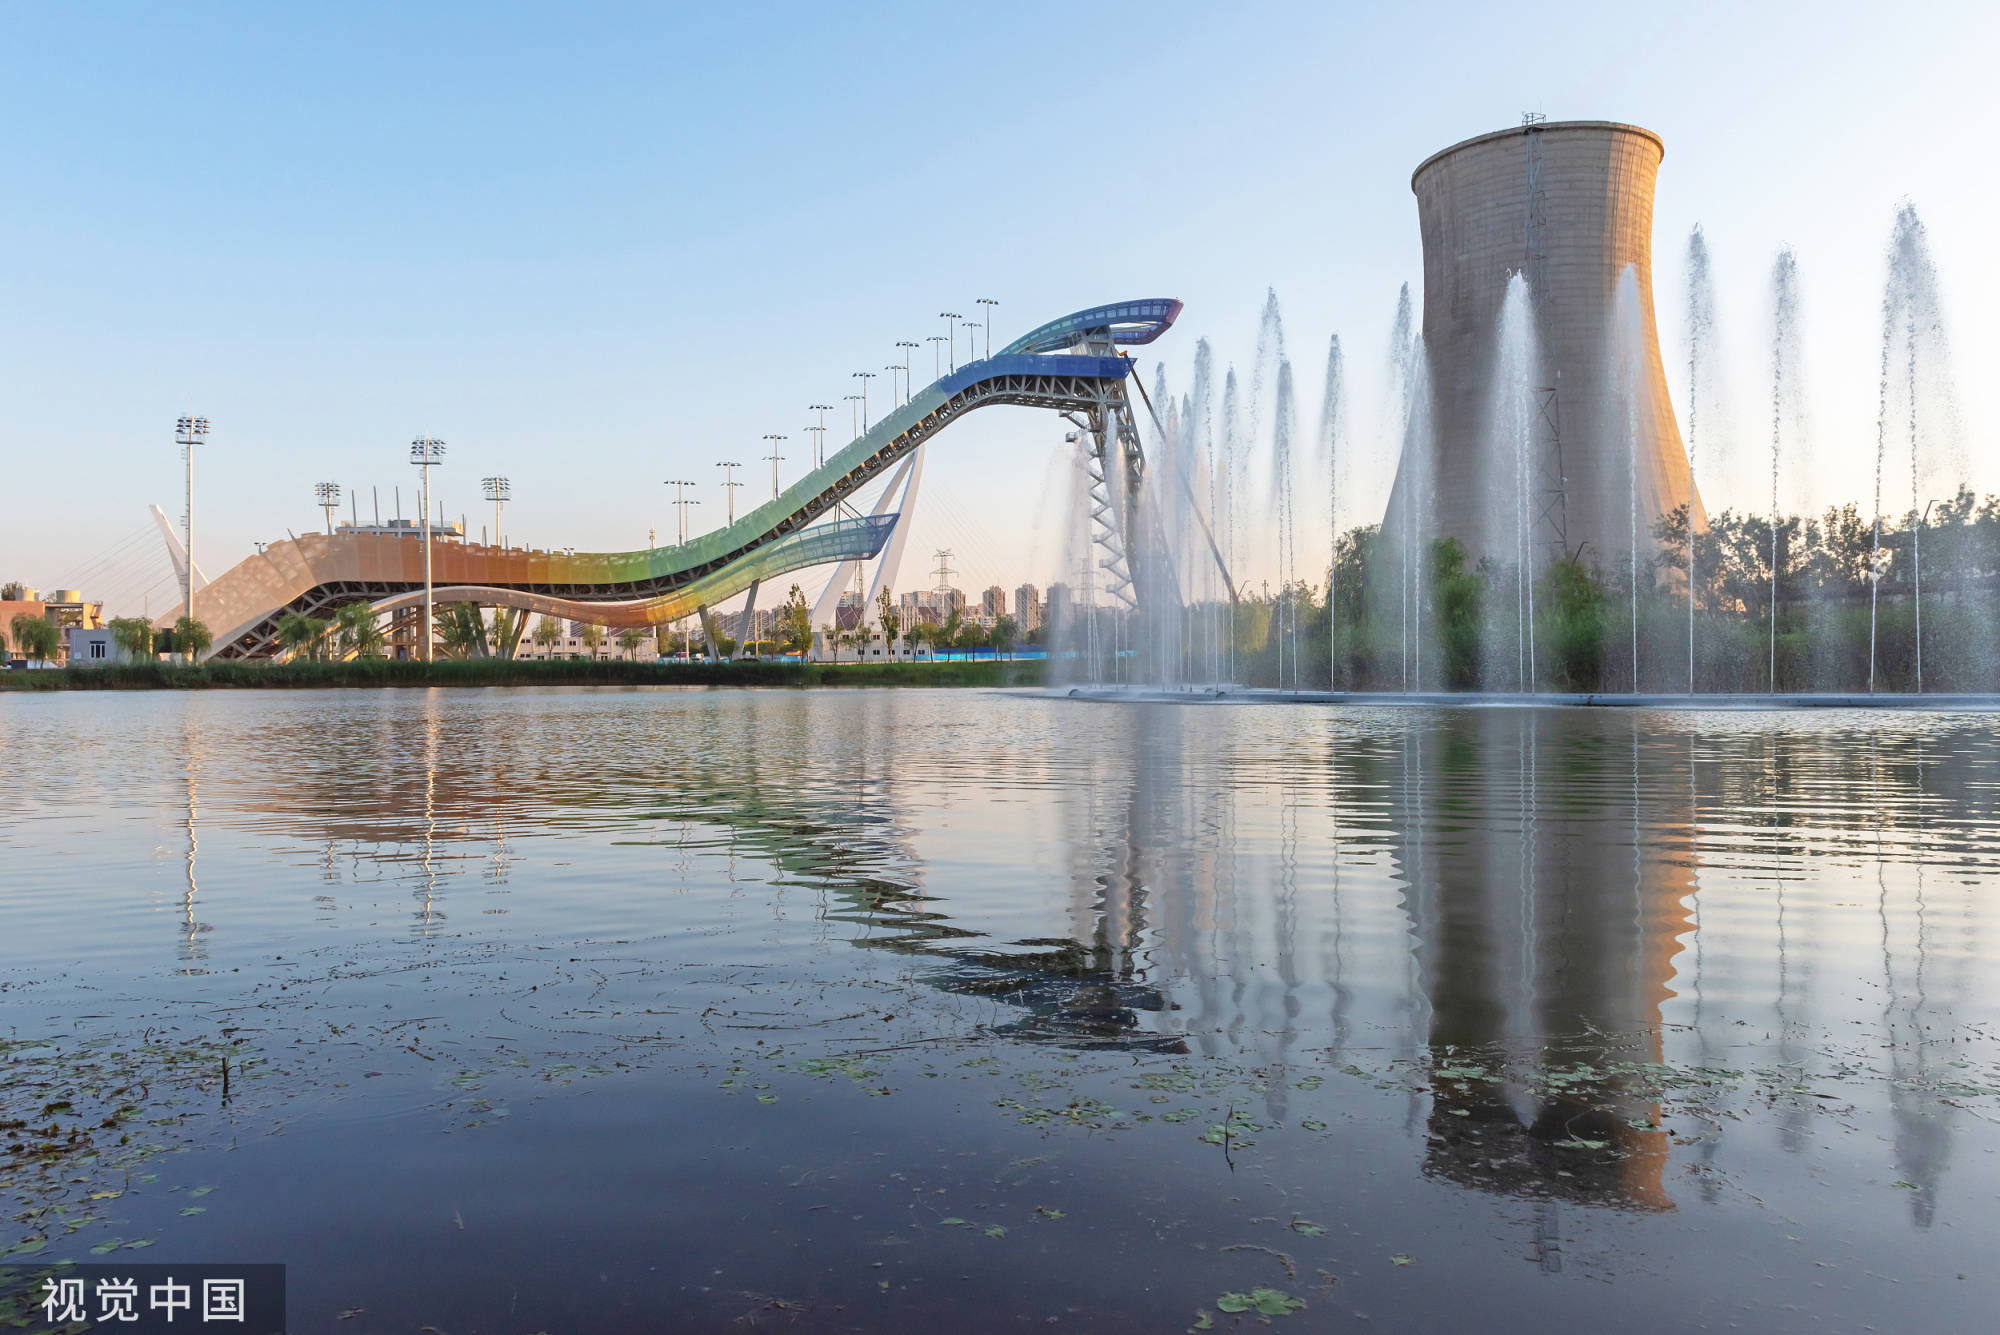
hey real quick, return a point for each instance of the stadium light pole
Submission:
(864, 377)
(822, 409)
(937, 354)
(680, 511)
(328, 496)
(909, 381)
(895, 394)
(989, 303)
(775, 458)
(499, 491)
(730, 484)
(854, 413)
(427, 453)
(188, 432)
(951, 319)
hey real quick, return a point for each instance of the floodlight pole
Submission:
(822, 409)
(188, 432)
(909, 382)
(328, 496)
(951, 319)
(729, 484)
(775, 459)
(680, 508)
(853, 413)
(989, 303)
(937, 355)
(427, 453)
(864, 377)
(499, 491)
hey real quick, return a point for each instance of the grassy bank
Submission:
(499, 672)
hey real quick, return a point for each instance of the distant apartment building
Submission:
(850, 611)
(1057, 606)
(992, 605)
(1027, 609)
(928, 607)
(920, 608)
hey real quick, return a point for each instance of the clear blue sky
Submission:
(597, 246)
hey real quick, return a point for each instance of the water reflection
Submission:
(191, 931)
(1544, 940)
(1526, 916)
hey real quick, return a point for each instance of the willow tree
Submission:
(192, 638)
(36, 637)
(133, 635)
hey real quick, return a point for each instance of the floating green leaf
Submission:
(1265, 1302)
(1403, 1258)
(997, 1231)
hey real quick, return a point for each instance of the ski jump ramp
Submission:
(1073, 366)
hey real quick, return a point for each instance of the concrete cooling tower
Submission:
(1540, 419)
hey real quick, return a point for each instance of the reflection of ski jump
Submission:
(1072, 366)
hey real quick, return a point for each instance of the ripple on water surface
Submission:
(873, 1009)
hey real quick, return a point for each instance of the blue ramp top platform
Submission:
(1131, 323)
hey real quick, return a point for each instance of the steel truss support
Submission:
(1116, 469)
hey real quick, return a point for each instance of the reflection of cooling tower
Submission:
(1568, 205)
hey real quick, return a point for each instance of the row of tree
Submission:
(36, 637)
(1805, 604)
(954, 632)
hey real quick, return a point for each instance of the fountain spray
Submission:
(1329, 443)
(1701, 328)
(1784, 349)
(1631, 344)
(1282, 418)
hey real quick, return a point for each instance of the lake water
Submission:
(906, 1010)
